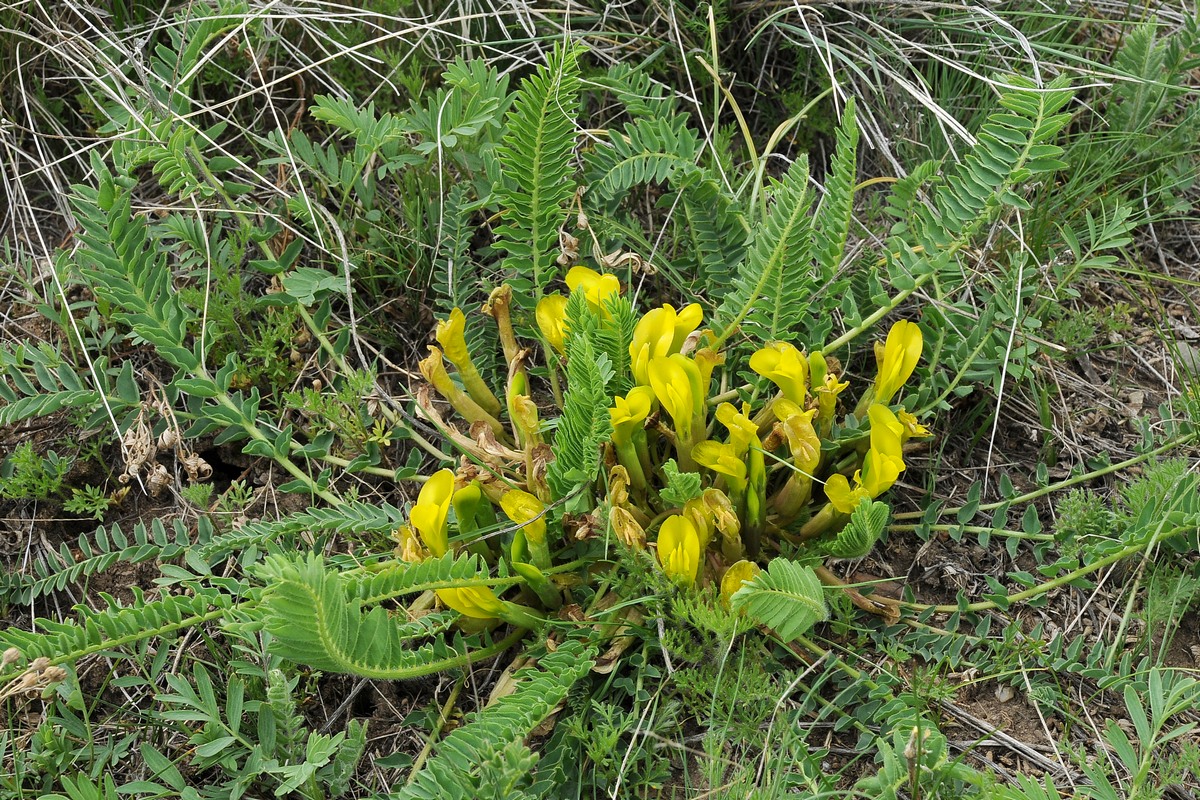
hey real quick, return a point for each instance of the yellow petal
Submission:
(901, 352)
(478, 602)
(551, 319)
(742, 430)
(673, 380)
(686, 321)
(630, 411)
(450, 334)
(785, 366)
(735, 576)
(802, 438)
(652, 338)
(679, 549)
(843, 498)
(912, 428)
(526, 510)
(886, 432)
(627, 528)
(720, 458)
(596, 287)
(429, 514)
(879, 472)
(723, 513)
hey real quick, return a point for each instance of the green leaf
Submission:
(680, 486)
(309, 285)
(536, 167)
(773, 285)
(585, 423)
(786, 597)
(335, 623)
(867, 523)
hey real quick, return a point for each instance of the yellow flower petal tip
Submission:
(527, 511)
(477, 602)
(721, 458)
(679, 550)
(786, 367)
(675, 380)
(629, 412)
(735, 577)
(661, 332)
(596, 286)
(551, 316)
(429, 514)
(897, 359)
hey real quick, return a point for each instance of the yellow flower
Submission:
(675, 380)
(742, 430)
(912, 428)
(723, 514)
(841, 496)
(886, 432)
(478, 602)
(660, 332)
(700, 515)
(717, 512)
(451, 335)
(802, 437)
(827, 394)
(679, 550)
(409, 549)
(629, 412)
(627, 528)
(707, 360)
(429, 514)
(897, 359)
(528, 512)
(735, 576)
(785, 366)
(722, 459)
(882, 466)
(595, 286)
(435, 372)
(885, 460)
(551, 316)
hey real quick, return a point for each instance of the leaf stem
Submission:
(1045, 490)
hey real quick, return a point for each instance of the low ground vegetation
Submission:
(599, 401)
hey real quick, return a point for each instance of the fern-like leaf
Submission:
(124, 268)
(316, 616)
(584, 425)
(116, 625)
(536, 165)
(349, 517)
(650, 151)
(859, 535)
(54, 571)
(716, 228)
(832, 223)
(786, 597)
(773, 285)
(478, 761)
(1011, 148)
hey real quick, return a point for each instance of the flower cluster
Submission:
(779, 464)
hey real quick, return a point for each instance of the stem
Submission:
(1045, 490)
(443, 718)
(1036, 537)
(1041, 588)
(879, 313)
(252, 430)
